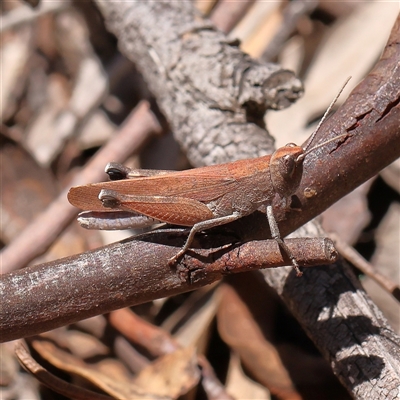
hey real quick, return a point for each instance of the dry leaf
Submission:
(241, 332)
(121, 388)
(168, 377)
(171, 375)
(241, 386)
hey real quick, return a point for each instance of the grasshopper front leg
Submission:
(273, 226)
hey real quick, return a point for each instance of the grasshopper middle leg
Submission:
(201, 226)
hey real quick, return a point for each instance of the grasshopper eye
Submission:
(287, 166)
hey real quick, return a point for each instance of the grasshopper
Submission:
(200, 198)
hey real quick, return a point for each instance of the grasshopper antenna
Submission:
(306, 149)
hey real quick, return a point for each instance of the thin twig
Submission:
(227, 13)
(293, 12)
(23, 15)
(354, 257)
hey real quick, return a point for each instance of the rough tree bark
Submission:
(214, 95)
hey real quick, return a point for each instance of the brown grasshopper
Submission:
(201, 198)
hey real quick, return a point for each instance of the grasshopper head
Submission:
(286, 166)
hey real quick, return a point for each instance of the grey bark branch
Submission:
(214, 95)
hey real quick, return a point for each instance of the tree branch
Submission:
(212, 92)
(46, 296)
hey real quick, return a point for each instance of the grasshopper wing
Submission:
(198, 184)
(204, 184)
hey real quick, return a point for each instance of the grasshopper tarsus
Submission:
(173, 260)
(295, 264)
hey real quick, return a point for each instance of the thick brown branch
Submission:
(47, 296)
